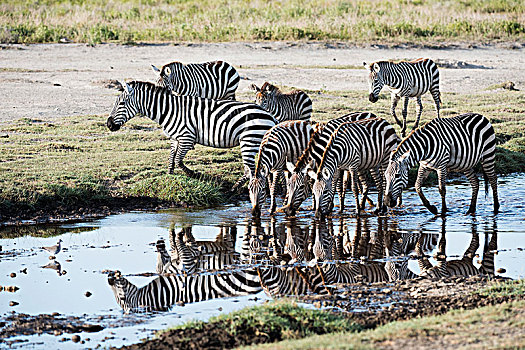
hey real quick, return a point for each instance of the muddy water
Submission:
(127, 243)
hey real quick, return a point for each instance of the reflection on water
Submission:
(168, 267)
(287, 259)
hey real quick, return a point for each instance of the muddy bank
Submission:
(377, 303)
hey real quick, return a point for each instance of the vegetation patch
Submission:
(272, 322)
(131, 21)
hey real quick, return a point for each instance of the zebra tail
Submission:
(486, 179)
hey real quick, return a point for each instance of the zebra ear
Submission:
(365, 65)
(312, 174)
(290, 166)
(254, 87)
(125, 87)
(155, 69)
(264, 171)
(376, 67)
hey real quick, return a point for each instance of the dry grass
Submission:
(176, 20)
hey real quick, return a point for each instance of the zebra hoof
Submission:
(433, 209)
(471, 211)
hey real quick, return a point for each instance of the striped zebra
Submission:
(333, 272)
(454, 144)
(357, 147)
(405, 79)
(211, 277)
(295, 105)
(459, 267)
(188, 120)
(214, 80)
(283, 143)
(298, 183)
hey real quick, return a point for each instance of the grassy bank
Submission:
(499, 326)
(76, 162)
(425, 21)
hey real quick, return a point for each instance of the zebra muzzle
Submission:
(372, 98)
(111, 125)
(256, 211)
(389, 201)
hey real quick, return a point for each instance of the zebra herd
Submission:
(287, 259)
(195, 104)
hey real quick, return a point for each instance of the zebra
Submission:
(297, 188)
(405, 79)
(295, 105)
(283, 143)
(188, 120)
(215, 80)
(459, 267)
(174, 285)
(357, 147)
(447, 144)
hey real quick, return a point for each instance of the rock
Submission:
(13, 303)
(88, 294)
(13, 275)
(501, 270)
(75, 338)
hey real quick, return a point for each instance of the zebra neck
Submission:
(417, 143)
(390, 76)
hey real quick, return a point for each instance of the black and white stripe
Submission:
(297, 187)
(188, 120)
(214, 80)
(455, 144)
(357, 147)
(295, 105)
(283, 143)
(405, 79)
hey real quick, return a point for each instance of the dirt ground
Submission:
(47, 81)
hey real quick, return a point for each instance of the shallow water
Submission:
(126, 243)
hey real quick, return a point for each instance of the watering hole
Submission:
(78, 285)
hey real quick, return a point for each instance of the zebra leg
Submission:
(490, 174)
(395, 99)
(442, 177)
(378, 179)
(404, 113)
(419, 112)
(173, 152)
(436, 95)
(355, 189)
(273, 179)
(183, 146)
(421, 176)
(474, 183)
(341, 189)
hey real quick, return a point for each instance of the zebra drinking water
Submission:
(455, 144)
(357, 147)
(215, 80)
(283, 143)
(297, 189)
(295, 105)
(188, 120)
(405, 79)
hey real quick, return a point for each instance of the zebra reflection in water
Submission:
(195, 271)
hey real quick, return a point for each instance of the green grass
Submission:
(130, 21)
(77, 162)
(499, 326)
(508, 288)
(280, 319)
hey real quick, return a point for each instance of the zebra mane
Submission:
(413, 132)
(301, 162)
(146, 85)
(271, 88)
(334, 134)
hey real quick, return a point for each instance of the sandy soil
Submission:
(55, 80)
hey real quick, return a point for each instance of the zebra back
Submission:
(215, 80)
(295, 105)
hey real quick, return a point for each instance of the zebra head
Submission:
(169, 77)
(323, 191)
(263, 94)
(296, 190)
(257, 188)
(396, 177)
(323, 243)
(125, 108)
(375, 81)
(122, 289)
